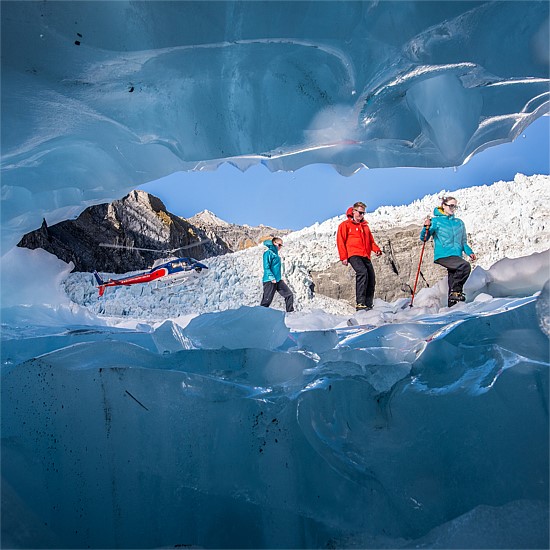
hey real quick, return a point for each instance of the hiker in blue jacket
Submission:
(449, 233)
(272, 280)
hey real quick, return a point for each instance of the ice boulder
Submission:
(316, 341)
(258, 327)
(169, 337)
(502, 279)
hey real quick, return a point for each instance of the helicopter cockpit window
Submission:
(180, 263)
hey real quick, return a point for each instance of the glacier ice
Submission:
(428, 428)
(258, 328)
(246, 428)
(502, 279)
(198, 447)
(543, 309)
(100, 97)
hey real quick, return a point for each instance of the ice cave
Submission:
(237, 431)
(121, 93)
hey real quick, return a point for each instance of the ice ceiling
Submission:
(99, 97)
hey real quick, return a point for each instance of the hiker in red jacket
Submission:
(355, 244)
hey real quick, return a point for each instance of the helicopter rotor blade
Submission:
(107, 245)
(193, 245)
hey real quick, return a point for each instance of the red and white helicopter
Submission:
(167, 271)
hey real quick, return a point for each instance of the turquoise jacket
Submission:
(449, 235)
(272, 263)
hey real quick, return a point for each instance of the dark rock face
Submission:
(395, 270)
(137, 220)
(140, 220)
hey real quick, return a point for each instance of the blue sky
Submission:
(315, 193)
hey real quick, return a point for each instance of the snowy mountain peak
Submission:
(206, 217)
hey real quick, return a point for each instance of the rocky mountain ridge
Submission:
(131, 233)
(234, 237)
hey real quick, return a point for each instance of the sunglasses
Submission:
(360, 213)
(280, 245)
(451, 206)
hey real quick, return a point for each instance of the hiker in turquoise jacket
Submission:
(272, 280)
(450, 239)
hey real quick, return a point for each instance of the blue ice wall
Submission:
(344, 438)
(98, 97)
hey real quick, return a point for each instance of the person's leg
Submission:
(446, 263)
(458, 271)
(286, 293)
(461, 274)
(371, 283)
(361, 279)
(269, 292)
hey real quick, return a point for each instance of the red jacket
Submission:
(355, 239)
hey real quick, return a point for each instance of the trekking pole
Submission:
(426, 237)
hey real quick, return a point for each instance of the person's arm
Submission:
(467, 250)
(374, 247)
(341, 235)
(427, 228)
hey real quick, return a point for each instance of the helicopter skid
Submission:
(166, 283)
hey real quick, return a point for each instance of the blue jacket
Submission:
(272, 263)
(449, 235)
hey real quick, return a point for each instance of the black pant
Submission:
(458, 271)
(365, 280)
(282, 288)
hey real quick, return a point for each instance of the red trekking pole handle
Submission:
(426, 237)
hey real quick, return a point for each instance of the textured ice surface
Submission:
(543, 308)
(416, 427)
(513, 525)
(98, 98)
(502, 279)
(259, 327)
(427, 427)
(392, 433)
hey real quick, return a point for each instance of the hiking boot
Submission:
(362, 307)
(457, 297)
